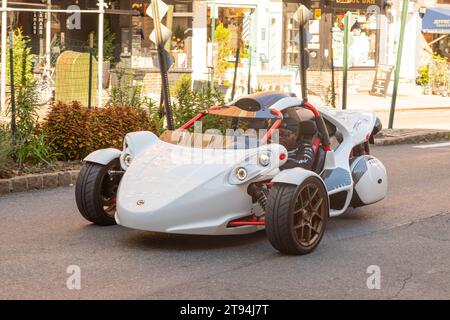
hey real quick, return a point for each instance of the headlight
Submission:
(127, 159)
(264, 159)
(241, 173)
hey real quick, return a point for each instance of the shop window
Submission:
(362, 51)
(144, 52)
(291, 27)
(237, 22)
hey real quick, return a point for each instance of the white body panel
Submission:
(103, 156)
(187, 190)
(370, 178)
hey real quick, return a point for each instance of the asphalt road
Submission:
(407, 235)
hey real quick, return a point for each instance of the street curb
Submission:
(69, 178)
(38, 181)
(395, 137)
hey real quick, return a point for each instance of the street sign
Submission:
(166, 34)
(160, 35)
(351, 4)
(307, 36)
(170, 60)
(317, 14)
(307, 39)
(302, 15)
(162, 9)
(381, 80)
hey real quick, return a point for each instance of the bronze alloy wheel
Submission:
(309, 214)
(109, 188)
(296, 216)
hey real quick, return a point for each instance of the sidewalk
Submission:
(410, 102)
(404, 102)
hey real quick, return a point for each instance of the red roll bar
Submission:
(274, 127)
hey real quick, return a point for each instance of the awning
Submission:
(436, 20)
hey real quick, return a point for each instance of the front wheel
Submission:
(95, 192)
(296, 216)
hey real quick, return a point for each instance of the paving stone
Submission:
(19, 184)
(50, 180)
(5, 186)
(74, 176)
(64, 179)
(35, 182)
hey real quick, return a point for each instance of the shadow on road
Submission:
(147, 240)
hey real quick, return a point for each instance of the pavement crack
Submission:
(211, 276)
(404, 283)
(407, 224)
(434, 238)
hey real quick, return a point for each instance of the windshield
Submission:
(213, 140)
(226, 128)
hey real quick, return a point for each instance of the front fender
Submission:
(103, 156)
(137, 142)
(295, 176)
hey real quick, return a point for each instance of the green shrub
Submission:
(126, 92)
(6, 163)
(26, 146)
(222, 37)
(22, 59)
(424, 75)
(73, 131)
(188, 103)
(108, 43)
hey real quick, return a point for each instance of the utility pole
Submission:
(347, 18)
(160, 35)
(236, 65)
(48, 37)
(213, 31)
(399, 62)
(101, 8)
(302, 16)
(91, 54)
(3, 54)
(13, 98)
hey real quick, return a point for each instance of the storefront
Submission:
(143, 51)
(436, 29)
(255, 26)
(326, 31)
(128, 26)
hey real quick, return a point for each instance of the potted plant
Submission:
(222, 37)
(424, 78)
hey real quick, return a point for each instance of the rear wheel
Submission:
(296, 216)
(95, 192)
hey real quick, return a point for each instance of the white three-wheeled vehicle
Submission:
(287, 168)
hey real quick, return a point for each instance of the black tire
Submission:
(95, 192)
(287, 216)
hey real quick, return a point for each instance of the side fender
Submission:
(295, 176)
(103, 156)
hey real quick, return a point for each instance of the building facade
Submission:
(264, 30)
